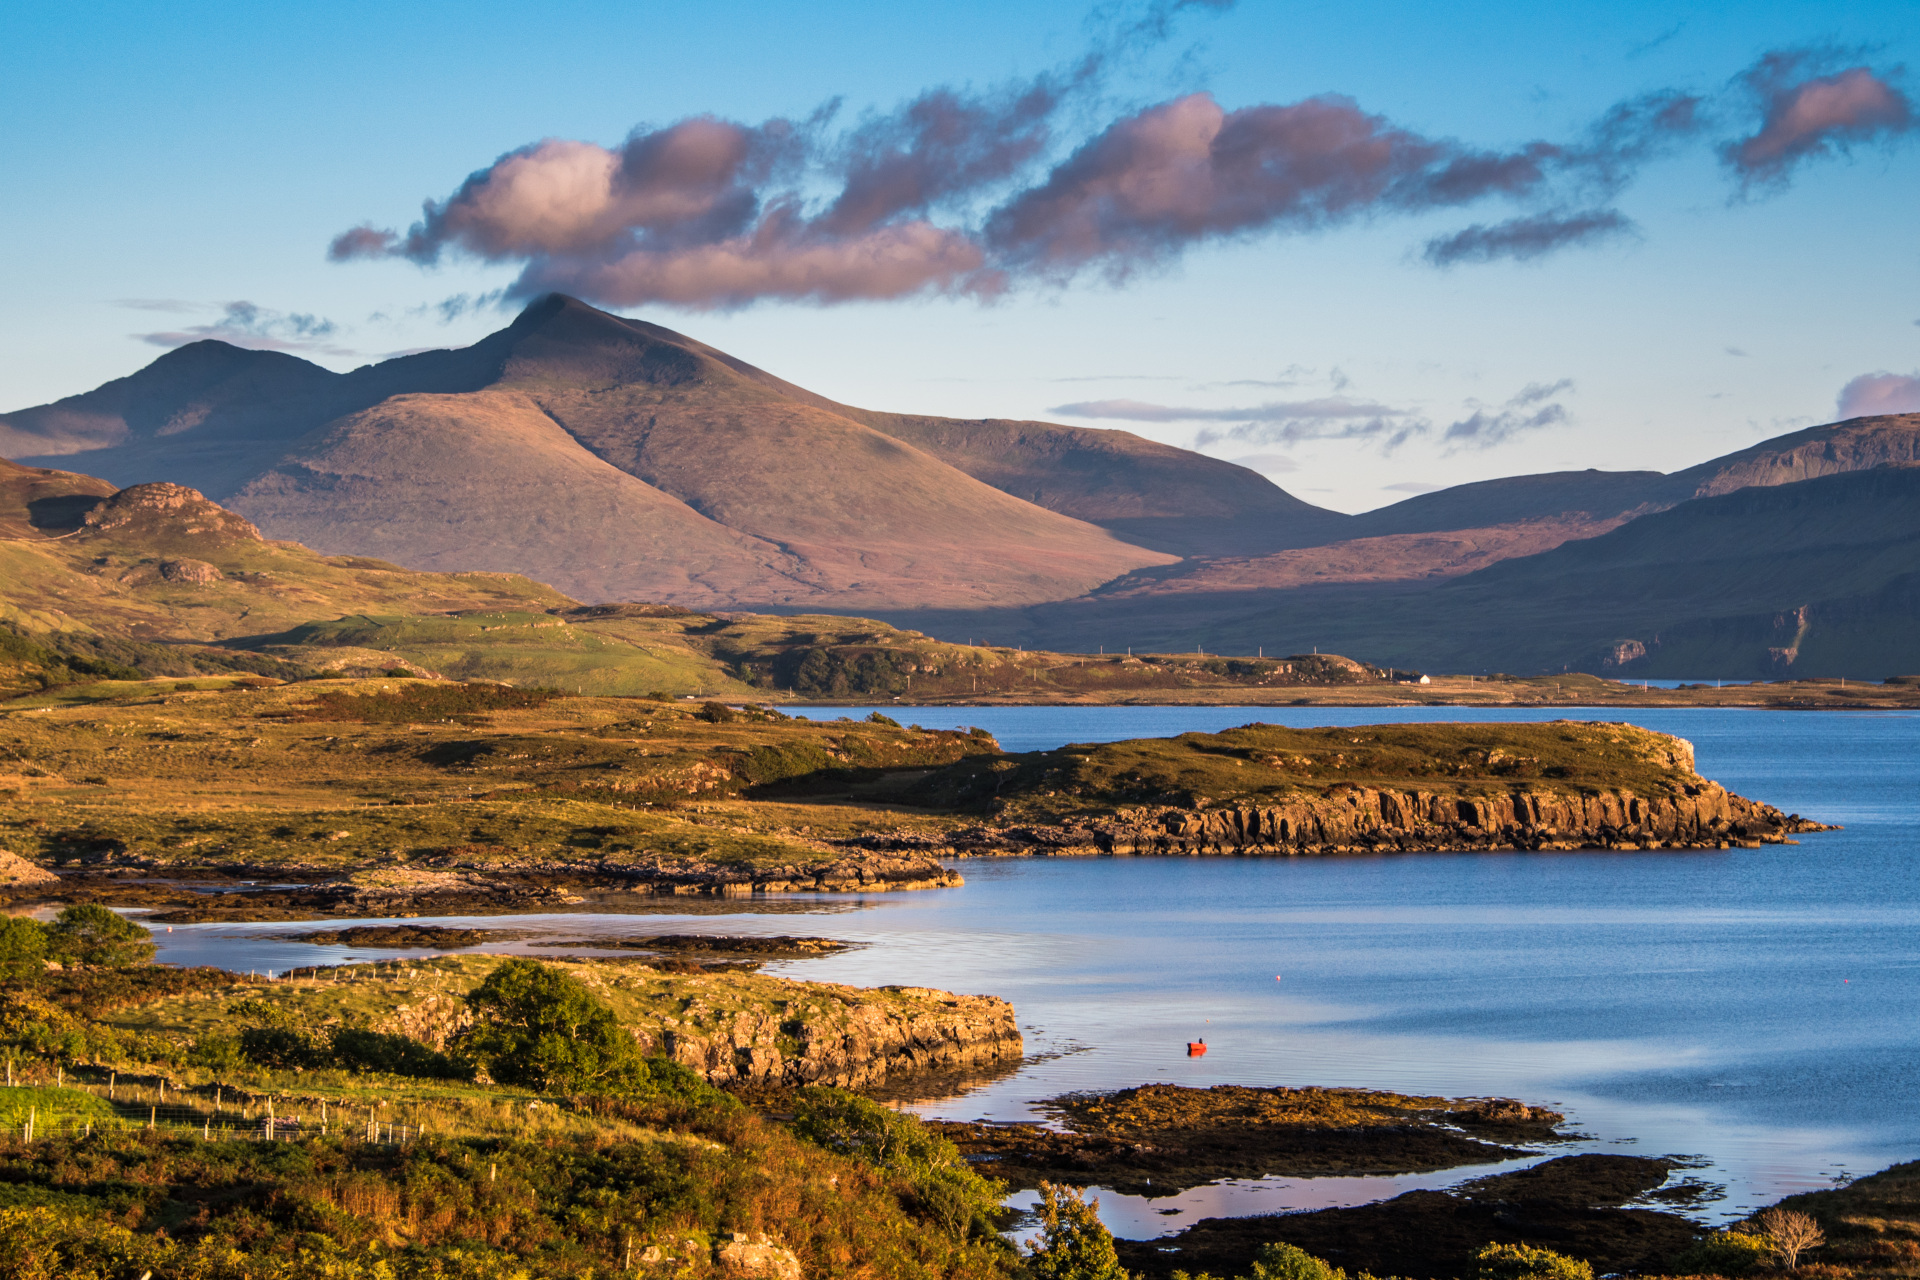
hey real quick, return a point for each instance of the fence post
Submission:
(153, 1114)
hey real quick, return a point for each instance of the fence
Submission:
(75, 1108)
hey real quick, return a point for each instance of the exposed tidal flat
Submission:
(1753, 1008)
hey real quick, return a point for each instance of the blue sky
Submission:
(165, 163)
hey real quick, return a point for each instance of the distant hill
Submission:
(1818, 577)
(160, 563)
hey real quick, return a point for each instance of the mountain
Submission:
(623, 461)
(618, 459)
(1817, 577)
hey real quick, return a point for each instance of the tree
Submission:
(1074, 1244)
(546, 1030)
(1524, 1262)
(23, 944)
(1285, 1262)
(91, 934)
(1791, 1233)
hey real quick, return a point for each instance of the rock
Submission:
(162, 508)
(16, 872)
(190, 572)
(760, 1258)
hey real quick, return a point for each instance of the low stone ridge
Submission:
(1160, 1139)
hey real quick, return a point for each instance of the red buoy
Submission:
(1196, 1048)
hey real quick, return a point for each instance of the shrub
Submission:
(1524, 1262)
(1723, 1253)
(716, 713)
(1073, 1244)
(941, 1187)
(544, 1029)
(1285, 1262)
(91, 934)
(23, 944)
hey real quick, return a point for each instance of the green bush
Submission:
(941, 1187)
(1284, 1262)
(1524, 1262)
(23, 944)
(1723, 1253)
(544, 1029)
(91, 934)
(1073, 1244)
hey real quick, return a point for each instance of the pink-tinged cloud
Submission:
(1189, 170)
(780, 258)
(361, 242)
(1871, 394)
(953, 192)
(1804, 115)
(939, 147)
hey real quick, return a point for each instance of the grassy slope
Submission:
(249, 775)
(107, 578)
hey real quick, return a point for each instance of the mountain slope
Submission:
(617, 460)
(158, 562)
(1816, 578)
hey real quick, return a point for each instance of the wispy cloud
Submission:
(1529, 237)
(1532, 409)
(1876, 393)
(246, 324)
(1275, 422)
(1273, 464)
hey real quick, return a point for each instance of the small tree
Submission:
(23, 944)
(1074, 1244)
(1791, 1233)
(546, 1030)
(1524, 1262)
(91, 934)
(1285, 1262)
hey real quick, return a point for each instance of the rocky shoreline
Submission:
(1358, 819)
(186, 894)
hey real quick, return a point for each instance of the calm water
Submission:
(1759, 1008)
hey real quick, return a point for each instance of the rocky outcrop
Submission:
(734, 1027)
(161, 508)
(845, 1036)
(1355, 819)
(16, 871)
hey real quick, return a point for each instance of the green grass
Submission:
(52, 1106)
(1262, 763)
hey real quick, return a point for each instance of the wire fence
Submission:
(75, 1108)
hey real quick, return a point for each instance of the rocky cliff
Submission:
(1365, 820)
(1269, 789)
